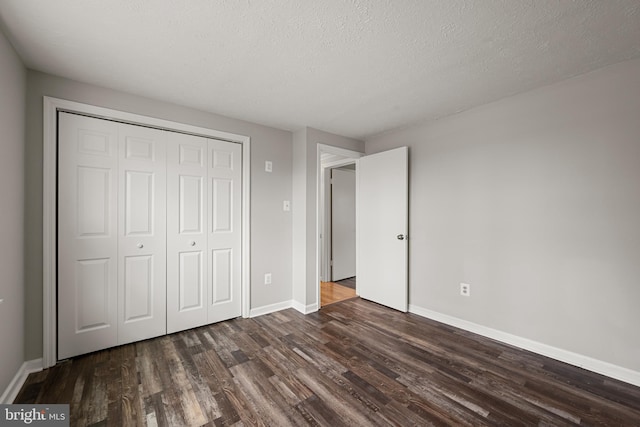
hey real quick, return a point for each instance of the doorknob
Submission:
(140, 245)
(192, 243)
(401, 237)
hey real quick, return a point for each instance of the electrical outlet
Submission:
(268, 166)
(465, 289)
(267, 278)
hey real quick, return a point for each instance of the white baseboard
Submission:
(304, 309)
(271, 308)
(18, 380)
(594, 365)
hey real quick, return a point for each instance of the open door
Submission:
(383, 211)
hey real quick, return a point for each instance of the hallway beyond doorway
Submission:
(331, 292)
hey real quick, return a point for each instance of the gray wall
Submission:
(305, 152)
(13, 79)
(270, 226)
(535, 201)
(299, 209)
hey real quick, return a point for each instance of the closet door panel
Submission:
(190, 204)
(142, 228)
(222, 206)
(222, 281)
(138, 288)
(87, 234)
(93, 198)
(186, 235)
(191, 281)
(139, 213)
(224, 231)
(92, 291)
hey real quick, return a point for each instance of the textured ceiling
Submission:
(352, 67)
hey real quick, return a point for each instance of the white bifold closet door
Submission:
(149, 233)
(204, 231)
(111, 234)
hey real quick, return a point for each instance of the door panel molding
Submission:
(51, 107)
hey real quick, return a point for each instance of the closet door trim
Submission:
(51, 107)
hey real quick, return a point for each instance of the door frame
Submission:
(51, 106)
(323, 243)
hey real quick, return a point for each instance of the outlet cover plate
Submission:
(465, 289)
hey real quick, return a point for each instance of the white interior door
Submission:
(142, 229)
(187, 185)
(343, 223)
(383, 227)
(224, 230)
(87, 235)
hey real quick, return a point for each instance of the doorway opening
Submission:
(337, 179)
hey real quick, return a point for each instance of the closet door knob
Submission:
(192, 243)
(140, 245)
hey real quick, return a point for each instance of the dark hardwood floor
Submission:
(349, 282)
(353, 363)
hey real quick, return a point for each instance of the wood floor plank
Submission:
(132, 410)
(331, 292)
(352, 363)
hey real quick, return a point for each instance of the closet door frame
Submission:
(51, 107)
